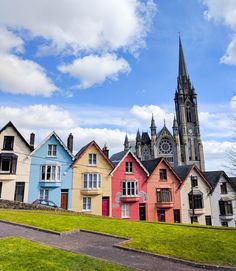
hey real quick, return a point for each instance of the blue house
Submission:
(50, 171)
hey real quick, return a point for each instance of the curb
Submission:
(31, 227)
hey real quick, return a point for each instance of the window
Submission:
(130, 188)
(164, 195)
(163, 174)
(225, 207)
(194, 181)
(161, 215)
(208, 220)
(224, 224)
(194, 219)
(87, 204)
(125, 211)
(188, 113)
(52, 150)
(44, 194)
(223, 188)
(51, 173)
(92, 180)
(129, 167)
(0, 190)
(8, 163)
(197, 201)
(92, 159)
(8, 143)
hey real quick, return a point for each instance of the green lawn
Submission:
(190, 243)
(18, 254)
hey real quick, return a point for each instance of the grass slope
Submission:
(18, 254)
(194, 244)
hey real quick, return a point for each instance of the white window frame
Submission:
(52, 150)
(44, 194)
(87, 203)
(92, 181)
(92, 159)
(130, 187)
(54, 171)
(129, 167)
(125, 211)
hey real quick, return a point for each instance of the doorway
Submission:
(19, 191)
(177, 216)
(142, 211)
(64, 199)
(105, 206)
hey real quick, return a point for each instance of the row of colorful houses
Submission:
(120, 186)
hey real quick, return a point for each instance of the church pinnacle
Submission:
(182, 64)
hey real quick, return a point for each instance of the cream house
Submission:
(14, 164)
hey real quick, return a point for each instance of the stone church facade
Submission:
(184, 145)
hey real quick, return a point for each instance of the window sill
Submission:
(129, 173)
(92, 165)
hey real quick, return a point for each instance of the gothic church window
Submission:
(188, 113)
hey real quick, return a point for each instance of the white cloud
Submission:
(233, 103)
(9, 41)
(93, 69)
(82, 25)
(224, 11)
(20, 76)
(37, 117)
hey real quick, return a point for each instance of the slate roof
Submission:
(81, 150)
(145, 138)
(213, 177)
(150, 165)
(233, 182)
(183, 171)
(117, 157)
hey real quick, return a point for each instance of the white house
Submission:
(194, 193)
(14, 164)
(223, 199)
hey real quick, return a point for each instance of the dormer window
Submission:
(163, 174)
(8, 143)
(129, 167)
(92, 159)
(52, 150)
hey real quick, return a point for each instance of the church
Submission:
(184, 145)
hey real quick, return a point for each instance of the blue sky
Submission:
(100, 68)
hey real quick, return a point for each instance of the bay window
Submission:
(51, 173)
(130, 188)
(92, 180)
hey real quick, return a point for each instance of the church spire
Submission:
(182, 64)
(153, 127)
(126, 143)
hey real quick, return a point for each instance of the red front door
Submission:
(105, 206)
(64, 200)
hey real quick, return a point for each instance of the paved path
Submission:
(97, 246)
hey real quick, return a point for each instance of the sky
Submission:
(101, 68)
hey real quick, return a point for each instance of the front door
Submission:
(161, 215)
(177, 216)
(0, 189)
(19, 192)
(142, 211)
(64, 199)
(105, 206)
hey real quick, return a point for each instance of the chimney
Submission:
(32, 140)
(70, 142)
(105, 150)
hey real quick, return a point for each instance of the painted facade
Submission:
(14, 164)
(223, 199)
(50, 173)
(129, 187)
(163, 190)
(91, 189)
(194, 188)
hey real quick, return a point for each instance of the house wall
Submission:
(153, 183)
(64, 160)
(215, 197)
(22, 169)
(81, 166)
(118, 177)
(185, 190)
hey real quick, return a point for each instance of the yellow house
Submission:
(91, 185)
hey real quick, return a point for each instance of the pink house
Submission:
(163, 190)
(129, 187)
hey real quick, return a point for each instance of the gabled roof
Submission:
(150, 165)
(82, 151)
(233, 182)
(58, 139)
(213, 177)
(10, 124)
(184, 171)
(164, 129)
(121, 156)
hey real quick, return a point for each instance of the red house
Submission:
(129, 187)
